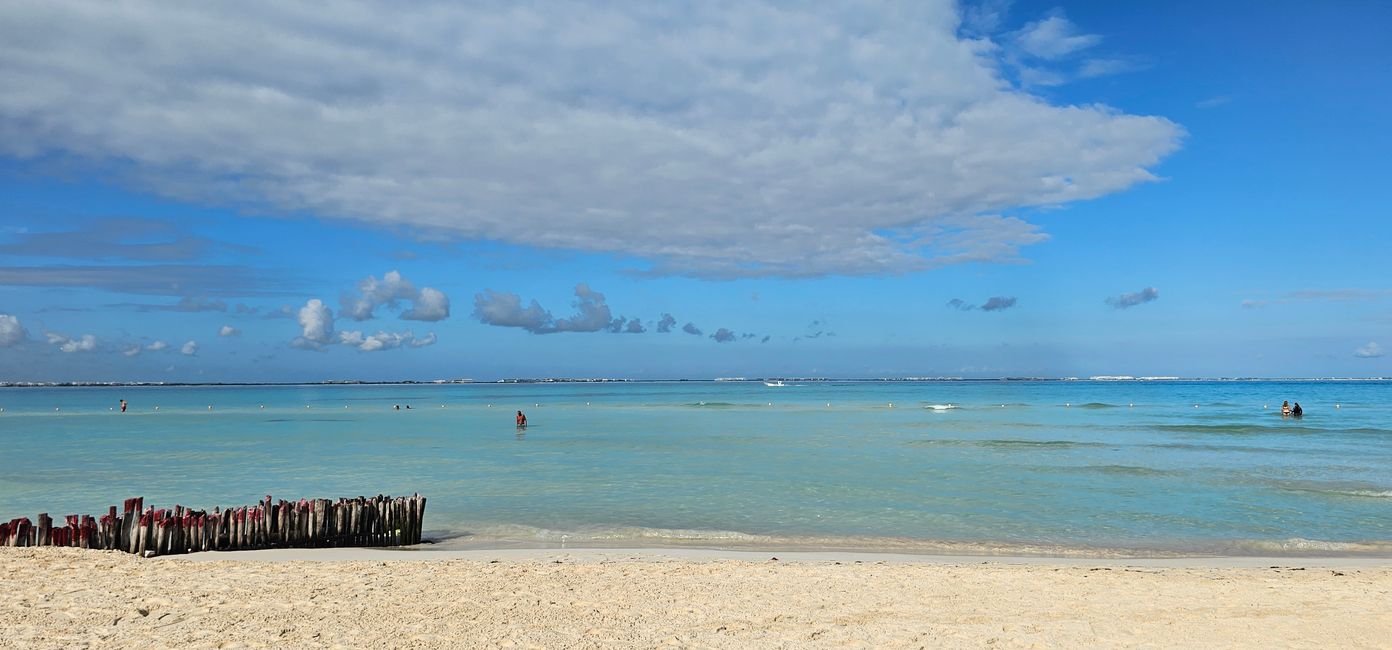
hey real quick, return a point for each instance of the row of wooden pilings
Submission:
(307, 523)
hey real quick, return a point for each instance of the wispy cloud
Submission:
(137, 239)
(1369, 351)
(690, 328)
(1319, 295)
(665, 325)
(724, 335)
(1214, 102)
(1129, 300)
(557, 125)
(158, 280)
(994, 303)
(228, 330)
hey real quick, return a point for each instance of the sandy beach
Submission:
(63, 598)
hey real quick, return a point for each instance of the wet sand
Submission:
(357, 598)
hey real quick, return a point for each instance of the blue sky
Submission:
(916, 189)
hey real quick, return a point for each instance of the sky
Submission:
(350, 190)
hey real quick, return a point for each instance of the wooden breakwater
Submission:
(307, 523)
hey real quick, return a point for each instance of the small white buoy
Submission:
(587, 403)
(263, 407)
(156, 408)
(1067, 404)
(306, 406)
(1131, 404)
(55, 408)
(537, 404)
(1265, 405)
(210, 407)
(1336, 406)
(345, 406)
(891, 405)
(110, 409)
(1196, 406)
(442, 406)
(490, 406)
(828, 403)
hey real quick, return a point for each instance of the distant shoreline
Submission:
(563, 380)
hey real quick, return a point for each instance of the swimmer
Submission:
(521, 420)
(123, 406)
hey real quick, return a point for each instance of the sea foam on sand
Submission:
(60, 598)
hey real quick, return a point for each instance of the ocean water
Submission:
(1054, 467)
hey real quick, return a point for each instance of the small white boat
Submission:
(774, 384)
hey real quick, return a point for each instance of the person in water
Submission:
(123, 406)
(1297, 411)
(521, 419)
(1285, 409)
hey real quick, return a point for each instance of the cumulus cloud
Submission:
(426, 304)
(1369, 351)
(635, 326)
(65, 343)
(690, 328)
(961, 305)
(429, 305)
(665, 325)
(428, 339)
(190, 348)
(505, 309)
(384, 340)
(156, 346)
(317, 322)
(132, 351)
(723, 335)
(705, 139)
(11, 331)
(228, 330)
(1129, 300)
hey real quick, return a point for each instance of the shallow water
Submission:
(1054, 467)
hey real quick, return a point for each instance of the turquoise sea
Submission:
(1059, 467)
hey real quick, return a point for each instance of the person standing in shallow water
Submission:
(1285, 409)
(521, 419)
(123, 406)
(1296, 411)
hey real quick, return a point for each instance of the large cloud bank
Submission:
(712, 139)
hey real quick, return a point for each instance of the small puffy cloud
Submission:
(998, 303)
(505, 309)
(1129, 300)
(635, 326)
(429, 305)
(132, 351)
(723, 335)
(690, 328)
(665, 325)
(428, 339)
(228, 330)
(157, 346)
(1054, 37)
(190, 348)
(765, 339)
(65, 343)
(1369, 351)
(11, 332)
(959, 304)
(317, 322)
(392, 289)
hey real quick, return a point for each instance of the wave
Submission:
(941, 407)
(1127, 470)
(1248, 429)
(1193, 447)
(1339, 489)
(1009, 444)
(1095, 405)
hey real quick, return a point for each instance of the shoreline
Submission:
(706, 555)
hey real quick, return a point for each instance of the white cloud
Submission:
(718, 140)
(65, 343)
(157, 346)
(228, 330)
(384, 340)
(505, 309)
(1369, 351)
(429, 305)
(317, 322)
(132, 351)
(1054, 37)
(11, 332)
(190, 348)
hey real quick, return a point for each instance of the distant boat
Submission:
(775, 384)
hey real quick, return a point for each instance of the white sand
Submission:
(685, 598)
